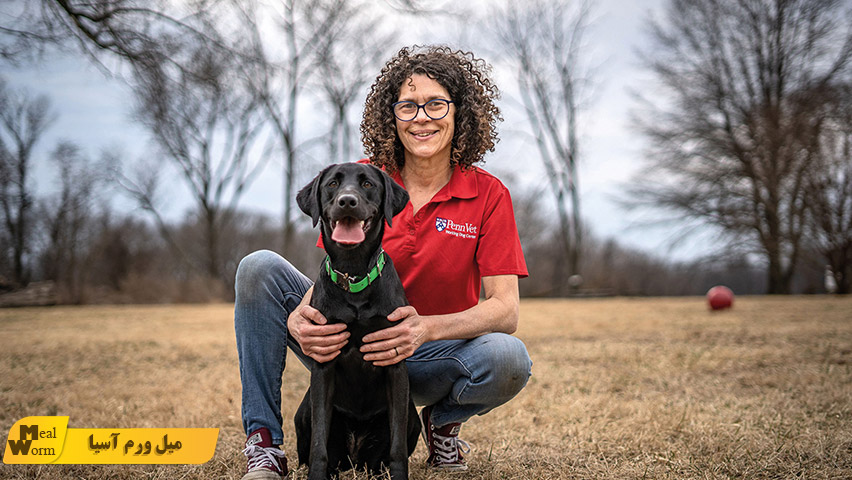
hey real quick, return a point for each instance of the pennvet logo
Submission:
(463, 230)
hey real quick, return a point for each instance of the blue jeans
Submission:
(461, 378)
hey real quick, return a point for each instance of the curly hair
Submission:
(466, 79)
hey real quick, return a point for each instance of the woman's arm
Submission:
(498, 312)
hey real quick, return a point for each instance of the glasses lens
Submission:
(405, 110)
(437, 109)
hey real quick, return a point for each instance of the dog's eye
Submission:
(332, 184)
(367, 184)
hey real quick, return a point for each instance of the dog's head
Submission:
(352, 200)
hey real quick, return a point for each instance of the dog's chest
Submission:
(359, 385)
(362, 310)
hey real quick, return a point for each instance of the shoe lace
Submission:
(260, 457)
(447, 448)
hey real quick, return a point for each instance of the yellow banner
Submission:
(41, 440)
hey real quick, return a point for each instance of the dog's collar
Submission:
(352, 284)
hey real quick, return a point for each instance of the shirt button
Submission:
(411, 231)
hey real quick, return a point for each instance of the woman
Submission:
(429, 117)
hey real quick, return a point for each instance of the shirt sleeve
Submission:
(499, 251)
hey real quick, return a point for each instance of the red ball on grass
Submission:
(720, 297)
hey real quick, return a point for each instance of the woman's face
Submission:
(424, 138)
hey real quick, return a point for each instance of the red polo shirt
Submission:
(466, 232)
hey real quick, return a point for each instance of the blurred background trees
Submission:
(749, 105)
(828, 185)
(24, 117)
(748, 125)
(543, 41)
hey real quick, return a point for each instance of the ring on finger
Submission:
(395, 350)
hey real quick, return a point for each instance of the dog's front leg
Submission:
(322, 392)
(397, 391)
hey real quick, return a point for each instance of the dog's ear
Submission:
(308, 197)
(396, 198)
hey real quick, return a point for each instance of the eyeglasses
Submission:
(407, 110)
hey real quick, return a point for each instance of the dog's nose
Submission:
(347, 201)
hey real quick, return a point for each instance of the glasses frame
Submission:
(423, 107)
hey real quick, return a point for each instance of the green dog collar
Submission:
(352, 284)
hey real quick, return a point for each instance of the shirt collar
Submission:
(463, 183)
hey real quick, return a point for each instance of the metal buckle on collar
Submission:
(343, 280)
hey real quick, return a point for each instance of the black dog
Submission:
(354, 413)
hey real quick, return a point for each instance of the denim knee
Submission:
(512, 365)
(254, 273)
(466, 378)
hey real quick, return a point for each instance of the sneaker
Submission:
(445, 448)
(265, 461)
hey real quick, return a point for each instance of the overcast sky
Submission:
(94, 111)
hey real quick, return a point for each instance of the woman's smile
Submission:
(424, 134)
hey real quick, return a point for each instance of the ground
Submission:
(621, 388)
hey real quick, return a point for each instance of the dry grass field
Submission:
(621, 388)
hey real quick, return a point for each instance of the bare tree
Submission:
(829, 185)
(206, 121)
(24, 118)
(282, 69)
(731, 131)
(68, 219)
(135, 31)
(543, 42)
(168, 46)
(347, 63)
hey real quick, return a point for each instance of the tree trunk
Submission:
(780, 278)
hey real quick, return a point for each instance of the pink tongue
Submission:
(348, 232)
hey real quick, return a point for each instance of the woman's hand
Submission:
(394, 344)
(319, 339)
